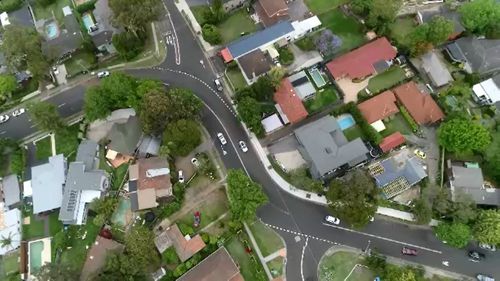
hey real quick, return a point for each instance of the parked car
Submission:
(102, 74)
(332, 220)
(420, 154)
(487, 247)
(484, 277)
(475, 256)
(18, 112)
(195, 162)
(243, 146)
(218, 85)
(4, 118)
(180, 176)
(221, 138)
(409, 251)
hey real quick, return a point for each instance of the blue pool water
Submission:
(345, 121)
(51, 30)
(88, 21)
(316, 76)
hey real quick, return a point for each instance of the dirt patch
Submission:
(351, 89)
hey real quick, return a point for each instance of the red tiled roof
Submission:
(359, 62)
(392, 141)
(379, 107)
(226, 55)
(271, 11)
(290, 103)
(420, 105)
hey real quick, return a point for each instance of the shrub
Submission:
(328, 43)
(305, 44)
(185, 229)
(85, 7)
(170, 256)
(10, 5)
(413, 125)
(286, 56)
(128, 45)
(211, 34)
(455, 234)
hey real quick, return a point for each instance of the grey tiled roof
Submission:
(125, 137)
(86, 153)
(435, 69)
(483, 55)
(11, 190)
(470, 181)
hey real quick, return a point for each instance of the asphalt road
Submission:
(298, 222)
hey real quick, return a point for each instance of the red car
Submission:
(409, 251)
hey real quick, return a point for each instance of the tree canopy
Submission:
(184, 104)
(57, 272)
(250, 112)
(422, 211)
(139, 245)
(328, 43)
(462, 135)
(134, 15)
(479, 16)
(182, 136)
(154, 112)
(211, 34)
(245, 196)
(430, 34)
(492, 157)
(45, 116)
(487, 227)
(454, 234)
(8, 84)
(382, 13)
(356, 204)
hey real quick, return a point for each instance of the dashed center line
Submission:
(301, 234)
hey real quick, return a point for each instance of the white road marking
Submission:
(302, 259)
(300, 234)
(61, 105)
(384, 238)
(176, 41)
(3, 132)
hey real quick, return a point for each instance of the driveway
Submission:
(351, 89)
(297, 10)
(286, 153)
(429, 145)
(303, 59)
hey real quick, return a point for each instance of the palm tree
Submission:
(5, 242)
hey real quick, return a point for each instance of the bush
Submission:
(211, 34)
(10, 5)
(306, 44)
(328, 43)
(17, 162)
(454, 234)
(169, 209)
(170, 256)
(185, 229)
(286, 56)
(85, 7)
(128, 45)
(413, 125)
(370, 133)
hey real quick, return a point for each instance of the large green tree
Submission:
(454, 234)
(7, 85)
(462, 135)
(96, 104)
(182, 136)
(134, 15)
(422, 211)
(245, 196)
(211, 34)
(139, 245)
(183, 104)
(215, 13)
(479, 16)
(45, 116)
(353, 199)
(57, 272)
(487, 227)
(121, 268)
(250, 112)
(430, 34)
(382, 13)
(155, 112)
(492, 157)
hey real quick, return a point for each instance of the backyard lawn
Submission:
(212, 208)
(401, 28)
(321, 100)
(43, 149)
(386, 80)
(45, 12)
(336, 267)
(118, 175)
(9, 264)
(276, 266)
(55, 225)
(249, 264)
(67, 141)
(236, 78)
(320, 6)
(396, 124)
(347, 28)
(268, 241)
(353, 133)
(33, 230)
(85, 236)
(235, 24)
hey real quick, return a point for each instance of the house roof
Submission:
(399, 166)
(360, 62)
(420, 105)
(379, 107)
(435, 69)
(47, 182)
(271, 11)
(392, 141)
(470, 181)
(149, 146)
(125, 137)
(488, 89)
(10, 227)
(22, 16)
(185, 247)
(289, 102)
(10, 191)
(271, 123)
(325, 145)
(153, 173)
(427, 15)
(145, 198)
(255, 40)
(255, 64)
(96, 257)
(69, 39)
(219, 266)
(87, 154)
(481, 55)
(104, 33)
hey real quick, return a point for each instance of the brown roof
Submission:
(420, 105)
(392, 141)
(219, 266)
(147, 180)
(379, 107)
(146, 198)
(185, 248)
(96, 257)
(271, 11)
(289, 102)
(256, 63)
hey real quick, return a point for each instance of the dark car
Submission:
(409, 251)
(475, 256)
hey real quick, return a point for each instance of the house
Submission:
(124, 138)
(420, 105)
(392, 141)
(150, 146)
(149, 182)
(435, 69)
(84, 183)
(324, 146)
(67, 41)
(22, 16)
(475, 55)
(271, 12)
(397, 173)
(185, 246)
(219, 266)
(378, 108)
(288, 103)
(302, 85)
(425, 16)
(303, 27)
(102, 32)
(10, 191)
(10, 228)
(271, 123)
(488, 91)
(96, 256)
(47, 182)
(371, 58)
(467, 178)
(254, 64)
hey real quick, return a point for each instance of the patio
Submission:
(286, 153)
(351, 89)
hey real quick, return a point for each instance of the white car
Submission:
(18, 112)
(218, 85)
(332, 220)
(222, 139)
(102, 74)
(243, 146)
(195, 162)
(4, 118)
(487, 247)
(420, 154)
(483, 277)
(180, 176)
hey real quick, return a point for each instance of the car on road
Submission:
(180, 176)
(484, 277)
(102, 74)
(475, 256)
(243, 146)
(195, 162)
(4, 118)
(218, 85)
(420, 154)
(18, 112)
(222, 139)
(332, 220)
(488, 247)
(409, 251)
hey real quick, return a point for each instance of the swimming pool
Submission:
(317, 77)
(88, 21)
(120, 215)
(345, 121)
(51, 30)
(36, 249)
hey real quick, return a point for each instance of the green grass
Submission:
(43, 149)
(55, 225)
(321, 100)
(33, 230)
(236, 78)
(249, 264)
(198, 12)
(118, 175)
(320, 6)
(306, 44)
(386, 80)
(268, 241)
(80, 62)
(10, 263)
(276, 266)
(347, 28)
(353, 133)
(67, 141)
(401, 28)
(338, 266)
(235, 24)
(210, 210)
(48, 11)
(396, 124)
(361, 274)
(78, 253)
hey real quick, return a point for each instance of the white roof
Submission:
(10, 227)
(27, 190)
(271, 123)
(67, 11)
(305, 90)
(47, 182)
(378, 125)
(301, 27)
(4, 19)
(273, 53)
(489, 89)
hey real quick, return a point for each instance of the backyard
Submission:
(321, 6)
(353, 133)
(249, 264)
(213, 207)
(268, 241)
(9, 264)
(386, 80)
(43, 149)
(396, 124)
(35, 229)
(46, 12)
(80, 239)
(347, 28)
(400, 29)
(321, 100)
(238, 81)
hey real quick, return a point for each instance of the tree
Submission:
(46, 116)
(121, 267)
(250, 112)
(454, 234)
(492, 157)
(134, 15)
(462, 135)
(299, 178)
(263, 89)
(154, 114)
(96, 104)
(361, 7)
(487, 227)
(139, 245)
(356, 204)
(426, 36)
(276, 74)
(211, 34)
(382, 13)
(328, 43)
(215, 14)
(480, 16)
(104, 206)
(422, 211)
(245, 196)
(8, 84)
(184, 104)
(462, 208)
(57, 272)
(128, 45)
(182, 136)
(22, 47)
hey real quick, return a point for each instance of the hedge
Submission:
(10, 5)
(371, 134)
(85, 7)
(414, 126)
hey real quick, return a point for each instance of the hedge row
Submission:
(10, 5)
(85, 7)
(413, 125)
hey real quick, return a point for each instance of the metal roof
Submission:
(11, 190)
(394, 168)
(47, 182)
(435, 69)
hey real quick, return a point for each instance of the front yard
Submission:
(238, 81)
(249, 264)
(80, 62)
(386, 80)
(347, 28)
(43, 149)
(336, 267)
(321, 100)
(67, 141)
(46, 12)
(210, 209)
(268, 241)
